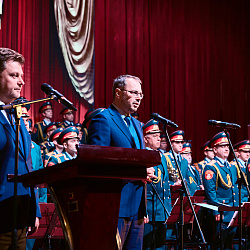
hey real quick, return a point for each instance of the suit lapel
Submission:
(12, 133)
(116, 117)
(7, 126)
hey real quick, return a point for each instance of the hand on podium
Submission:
(32, 230)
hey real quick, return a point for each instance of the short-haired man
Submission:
(38, 134)
(163, 144)
(114, 126)
(47, 145)
(243, 150)
(209, 155)
(155, 231)
(192, 177)
(11, 83)
(219, 179)
(177, 140)
(68, 118)
(69, 139)
(58, 148)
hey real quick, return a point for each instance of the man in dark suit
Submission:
(11, 83)
(115, 126)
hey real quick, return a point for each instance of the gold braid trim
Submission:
(229, 182)
(41, 132)
(238, 171)
(172, 172)
(191, 180)
(158, 177)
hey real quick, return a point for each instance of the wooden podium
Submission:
(86, 191)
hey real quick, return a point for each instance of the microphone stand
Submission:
(241, 181)
(18, 112)
(184, 186)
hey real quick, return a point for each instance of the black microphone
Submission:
(163, 120)
(223, 124)
(48, 90)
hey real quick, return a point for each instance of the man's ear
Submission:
(215, 150)
(118, 93)
(65, 145)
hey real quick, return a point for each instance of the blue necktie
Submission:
(132, 131)
(226, 164)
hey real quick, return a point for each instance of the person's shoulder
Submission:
(36, 146)
(202, 162)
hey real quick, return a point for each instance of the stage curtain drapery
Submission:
(29, 27)
(193, 58)
(75, 27)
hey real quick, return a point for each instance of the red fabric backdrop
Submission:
(28, 26)
(192, 56)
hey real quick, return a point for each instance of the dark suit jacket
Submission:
(109, 129)
(7, 165)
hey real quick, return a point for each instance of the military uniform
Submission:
(38, 134)
(68, 133)
(155, 210)
(219, 179)
(53, 137)
(172, 168)
(66, 124)
(47, 157)
(203, 163)
(245, 147)
(59, 158)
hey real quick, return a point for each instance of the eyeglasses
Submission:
(134, 93)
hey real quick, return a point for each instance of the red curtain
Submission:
(28, 26)
(192, 56)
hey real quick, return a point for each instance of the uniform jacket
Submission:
(58, 158)
(38, 135)
(202, 164)
(65, 124)
(172, 166)
(193, 180)
(244, 193)
(162, 185)
(109, 129)
(220, 185)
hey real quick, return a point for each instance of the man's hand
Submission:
(32, 230)
(177, 182)
(150, 174)
(217, 217)
(146, 220)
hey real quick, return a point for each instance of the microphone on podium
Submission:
(163, 120)
(48, 90)
(223, 124)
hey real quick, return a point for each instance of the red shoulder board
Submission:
(209, 174)
(248, 167)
